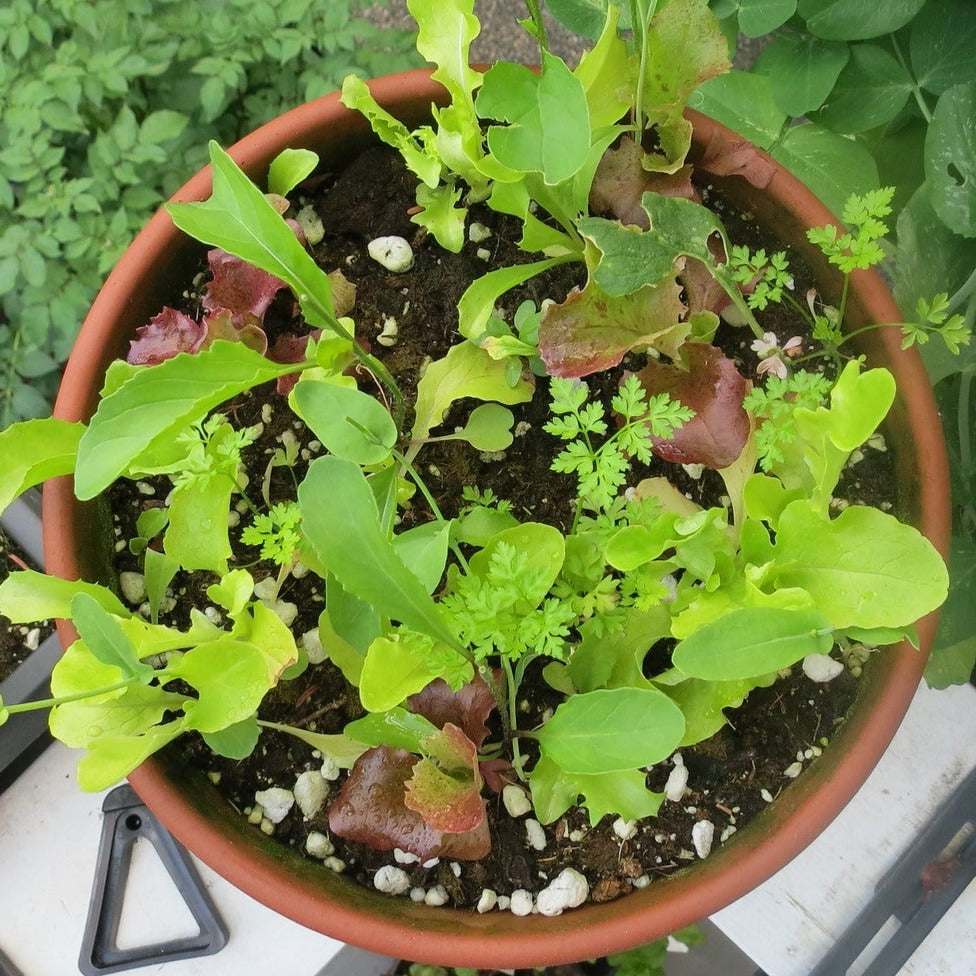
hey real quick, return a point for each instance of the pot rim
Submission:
(339, 908)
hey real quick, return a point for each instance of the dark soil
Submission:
(732, 776)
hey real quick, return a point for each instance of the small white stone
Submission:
(267, 826)
(503, 903)
(577, 835)
(335, 864)
(266, 589)
(436, 896)
(391, 329)
(417, 894)
(727, 833)
(404, 857)
(793, 770)
(319, 845)
(821, 667)
(33, 638)
(255, 815)
(133, 586)
(483, 253)
(213, 615)
(694, 471)
(535, 835)
(311, 224)
(276, 802)
(624, 829)
(432, 863)
(267, 412)
(642, 882)
(233, 519)
(516, 801)
(521, 902)
(310, 792)
(487, 901)
(287, 612)
(391, 880)
(330, 769)
(478, 232)
(766, 795)
(674, 788)
(145, 488)
(702, 834)
(392, 252)
(311, 642)
(455, 869)
(569, 889)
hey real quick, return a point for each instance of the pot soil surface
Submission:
(732, 777)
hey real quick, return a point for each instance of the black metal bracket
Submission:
(937, 867)
(126, 820)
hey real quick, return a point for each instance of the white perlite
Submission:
(404, 857)
(330, 769)
(391, 880)
(535, 835)
(821, 668)
(310, 792)
(793, 770)
(521, 902)
(276, 802)
(624, 829)
(516, 801)
(569, 889)
(312, 644)
(318, 845)
(702, 835)
(133, 586)
(436, 896)
(393, 253)
(674, 788)
(487, 901)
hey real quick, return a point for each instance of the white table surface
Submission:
(49, 835)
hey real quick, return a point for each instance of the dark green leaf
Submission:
(855, 20)
(950, 159)
(871, 90)
(801, 72)
(759, 17)
(105, 639)
(941, 45)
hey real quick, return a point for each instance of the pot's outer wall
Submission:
(157, 264)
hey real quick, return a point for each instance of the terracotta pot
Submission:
(153, 269)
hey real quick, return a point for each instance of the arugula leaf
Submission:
(239, 219)
(105, 638)
(341, 521)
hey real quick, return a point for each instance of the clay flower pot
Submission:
(78, 545)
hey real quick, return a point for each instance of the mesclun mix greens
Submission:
(437, 624)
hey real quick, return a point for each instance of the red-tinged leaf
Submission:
(714, 389)
(727, 155)
(468, 707)
(168, 333)
(593, 331)
(220, 325)
(702, 292)
(445, 788)
(370, 810)
(290, 349)
(497, 773)
(241, 288)
(621, 181)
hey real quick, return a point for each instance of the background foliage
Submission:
(107, 109)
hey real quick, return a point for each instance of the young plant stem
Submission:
(517, 760)
(916, 89)
(408, 468)
(33, 706)
(535, 13)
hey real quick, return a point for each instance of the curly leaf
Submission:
(468, 707)
(445, 788)
(592, 331)
(370, 809)
(33, 451)
(466, 371)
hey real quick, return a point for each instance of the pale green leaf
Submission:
(423, 550)
(395, 668)
(863, 569)
(607, 731)
(111, 758)
(237, 741)
(751, 642)
(351, 424)
(158, 402)
(33, 451)
(79, 723)
(466, 371)
(28, 596)
(544, 549)
(397, 728)
(197, 534)
(289, 168)
(489, 428)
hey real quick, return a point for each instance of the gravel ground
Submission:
(501, 37)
